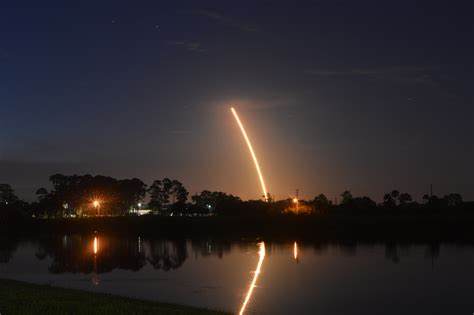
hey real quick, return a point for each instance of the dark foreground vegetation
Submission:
(22, 298)
(83, 204)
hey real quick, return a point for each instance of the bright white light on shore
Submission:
(254, 157)
(96, 203)
(257, 272)
(295, 200)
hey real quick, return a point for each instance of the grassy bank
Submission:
(23, 298)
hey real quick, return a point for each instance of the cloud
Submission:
(216, 16)
(188, 45)
(413, 75)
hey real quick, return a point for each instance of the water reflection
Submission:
(167, 255)
(95, 278)
(295, 252)
(261, 254)
(7, 248)
(72, 253)
(95, 245)
(151, 268)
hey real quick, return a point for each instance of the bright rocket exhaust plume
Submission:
(257, 272)
(254, 157)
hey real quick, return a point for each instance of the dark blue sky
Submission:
(360, 95)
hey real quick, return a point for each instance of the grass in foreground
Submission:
(23, 298)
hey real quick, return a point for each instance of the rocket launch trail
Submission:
(252, 153)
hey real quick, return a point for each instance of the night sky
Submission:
(366, 96)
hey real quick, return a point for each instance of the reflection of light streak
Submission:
(96, 245)
(254, 157)
(295, 251)
(257, 272)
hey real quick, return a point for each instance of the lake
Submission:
(253, 275)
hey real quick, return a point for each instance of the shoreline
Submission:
(445, 227)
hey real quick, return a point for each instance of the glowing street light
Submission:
(96, 205)
(296, 202)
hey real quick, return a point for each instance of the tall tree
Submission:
(346, 197)
(167, 194)
(7, 194)
(388, 201)
(404, 199)
(395, 193)
(321, 202)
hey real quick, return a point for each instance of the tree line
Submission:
(87, 195)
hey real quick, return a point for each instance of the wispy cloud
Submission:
(188, 45)
(218, 17)
(415, 75)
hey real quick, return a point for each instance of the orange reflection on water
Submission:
(295, 251)
(257, 272)
(96, 245)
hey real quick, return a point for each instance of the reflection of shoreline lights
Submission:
(295, 251)
(257, 272)
(96, 245)
(254, 157)
(95, 279)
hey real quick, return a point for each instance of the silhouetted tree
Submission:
(404, 199)
(453, 200)
(395, 193)
(41, 193)
(132, 192)
(162, 191)
(7, 194)
(426, 198)
(321, 202)
(388, 201)
(346, 197)
(363, 203)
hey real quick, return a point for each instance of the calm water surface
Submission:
(254, 276)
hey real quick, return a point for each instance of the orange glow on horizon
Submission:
(254, 157)
(257, 272)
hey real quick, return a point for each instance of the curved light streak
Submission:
(254, 280)
(254, 157)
